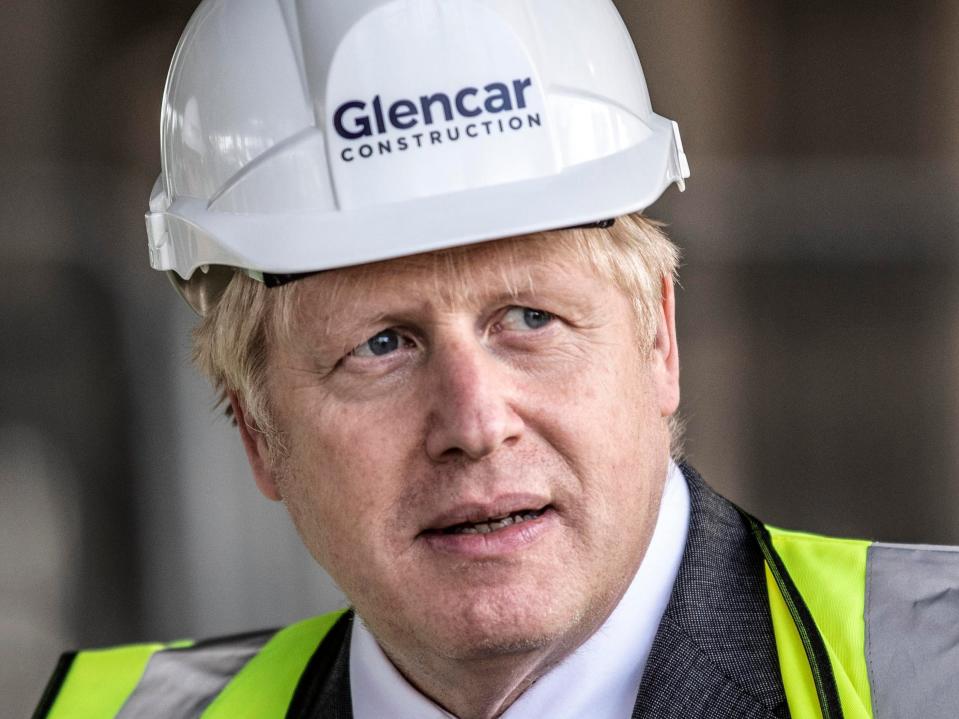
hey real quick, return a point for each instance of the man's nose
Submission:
(471, 402)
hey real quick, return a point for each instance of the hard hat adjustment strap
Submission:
(599, 225)
(271, 280)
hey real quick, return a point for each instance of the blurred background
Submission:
(819, 315)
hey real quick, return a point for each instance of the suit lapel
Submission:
(324, 689)
(714, 655)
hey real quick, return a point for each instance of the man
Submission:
(458, 371)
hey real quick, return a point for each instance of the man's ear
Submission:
(257, 450)
(665, 354)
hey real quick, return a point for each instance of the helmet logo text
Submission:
(352, 122)
(358, 120)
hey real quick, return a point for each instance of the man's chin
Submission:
(487, 631)
(487, 612)
(479, 644)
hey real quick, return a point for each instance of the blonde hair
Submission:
(231, 343)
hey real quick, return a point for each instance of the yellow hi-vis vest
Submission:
(863, 631)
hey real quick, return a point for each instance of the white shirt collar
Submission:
(600, 679)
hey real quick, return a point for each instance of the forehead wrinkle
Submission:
(459, 275)
(455, 277)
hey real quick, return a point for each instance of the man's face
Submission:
(475, 456)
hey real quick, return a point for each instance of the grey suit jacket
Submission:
(714, 656)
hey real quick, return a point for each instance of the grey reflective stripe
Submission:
(912, 631)
(181, 683)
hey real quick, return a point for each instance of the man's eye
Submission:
(525, 318)
(380, 344)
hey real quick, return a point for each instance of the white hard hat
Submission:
(302, 135)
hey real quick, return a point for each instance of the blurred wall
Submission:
(820, 229)
(819, 315)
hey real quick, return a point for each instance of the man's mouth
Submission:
(496, 528)
(493, 524)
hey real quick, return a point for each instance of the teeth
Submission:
(494, 523)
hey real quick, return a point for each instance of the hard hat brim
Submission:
(181, 236)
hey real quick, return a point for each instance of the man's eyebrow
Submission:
(346, 313)
(349, 324)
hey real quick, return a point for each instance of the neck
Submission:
(484, 687)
